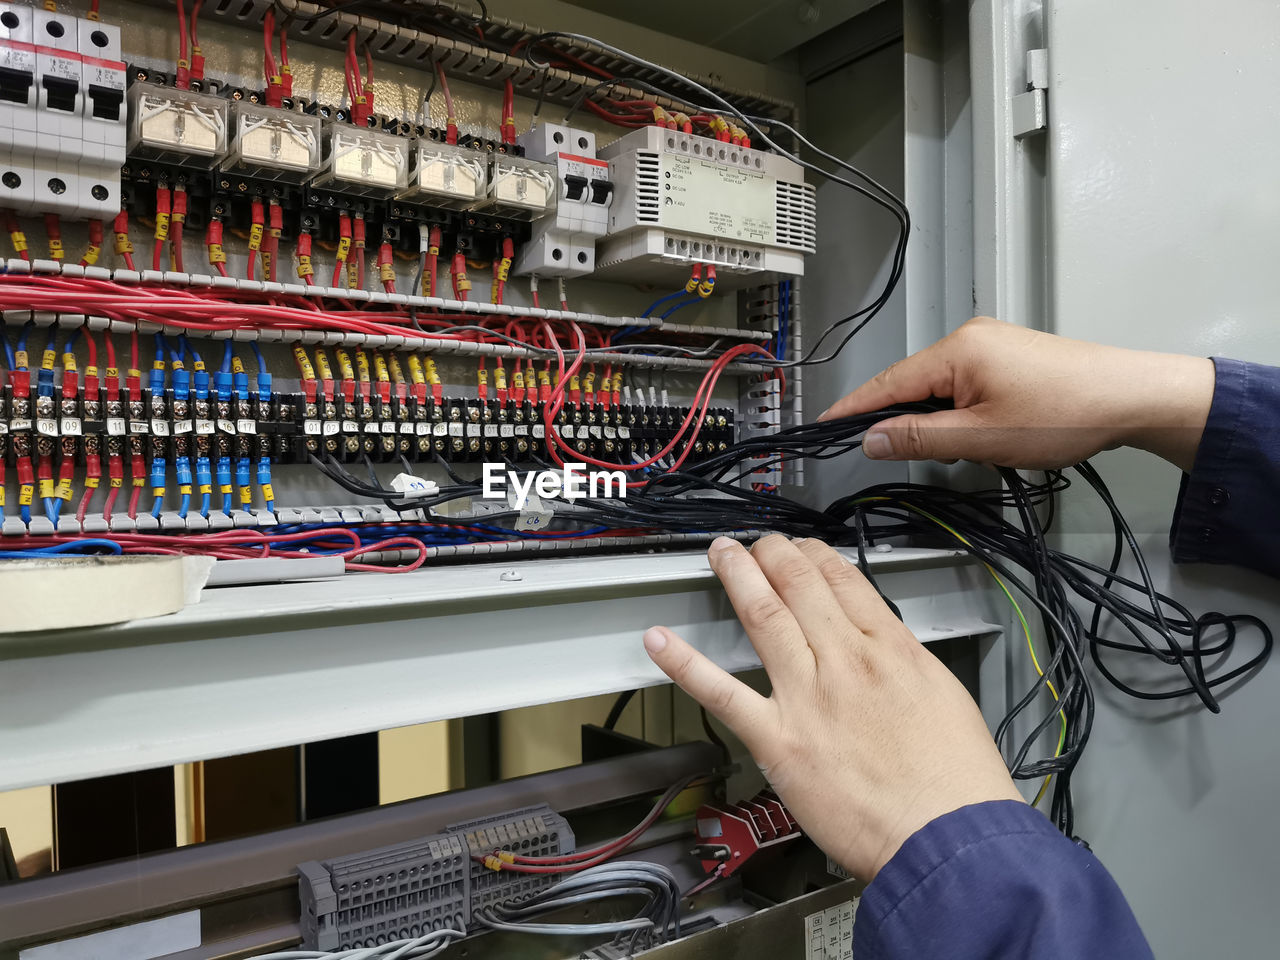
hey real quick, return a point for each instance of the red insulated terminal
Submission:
(730, 835)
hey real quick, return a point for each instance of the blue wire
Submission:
(227, 353)
(257, 353)
(8, 350)
(204, 505)
(22, 337)
(184, 506)
(71, 341)
(184, 346)
(661, 300)
(157, 507)
(25, 513)
(682, 304)
(51, 511)
(56, 549)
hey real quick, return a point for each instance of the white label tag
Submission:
(406, 428)
(539, 431)
(350, 426)
(595, 432)
(372, 427)
(183, 426)
(115, 426)
(204, 427)
(47, 427)
(226, 426)
(4, 428)
(440, 430)
(567, 431)
(490, 429)
(610, 433)
(246, 426)
(829, 933)
(70, 426)
(331, 428)
(473, 429)
(521, 430)
(388, 426)
(137, 426)
(311, 428)
(506, 430)
(160, 427)
(536, 514)
(22, 424)
(423, 428)
(624, 433)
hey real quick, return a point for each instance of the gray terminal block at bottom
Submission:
(392, 893)
(411, 888)
(531, 832)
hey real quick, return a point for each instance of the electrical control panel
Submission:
(404, 288)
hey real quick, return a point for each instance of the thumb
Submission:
(944, 435)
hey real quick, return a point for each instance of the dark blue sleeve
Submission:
(1227, 505)
(994, 881)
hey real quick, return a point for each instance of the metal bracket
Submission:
(1030, 110)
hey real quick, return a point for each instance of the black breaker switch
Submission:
(575, 187)
(15, 84)
(601, 191)
(60, 94)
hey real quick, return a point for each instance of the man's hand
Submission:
(1033, 400)
(867, 736)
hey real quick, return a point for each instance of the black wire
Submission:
(619, 705)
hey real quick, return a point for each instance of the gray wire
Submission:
(415, 948)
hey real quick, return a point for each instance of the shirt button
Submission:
(1206, 534)
(1218, 496)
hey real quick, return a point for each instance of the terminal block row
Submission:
(409, 889)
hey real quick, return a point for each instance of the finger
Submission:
(730, 701)
(929, 373)
(806, 592)
(859, 600)
(944, 435)
(769, 623)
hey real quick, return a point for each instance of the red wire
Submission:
(111, 349)
(182, 30)
(268, 33)
(107, 507)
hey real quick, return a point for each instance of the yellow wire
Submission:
(1026, 630)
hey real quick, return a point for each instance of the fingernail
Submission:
(876, 445)
(721, 543)
(823, 414)
(655, 641)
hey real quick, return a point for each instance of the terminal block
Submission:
(393, 893)
(180, 127)
(412, 888)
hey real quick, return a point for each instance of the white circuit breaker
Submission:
(565, 245)
(684, 198)
(62, 116)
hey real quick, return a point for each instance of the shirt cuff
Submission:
(1217, 511)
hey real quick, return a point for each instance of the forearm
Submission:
(1169, 397)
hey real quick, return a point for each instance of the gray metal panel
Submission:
(251, 668)
(1163, 144)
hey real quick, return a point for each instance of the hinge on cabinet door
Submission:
(1030, 113)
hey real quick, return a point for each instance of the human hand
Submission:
(867, 736)
(1033, 400)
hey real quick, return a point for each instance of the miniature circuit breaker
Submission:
(565, 246)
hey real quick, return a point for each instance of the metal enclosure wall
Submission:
(1164, 233)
